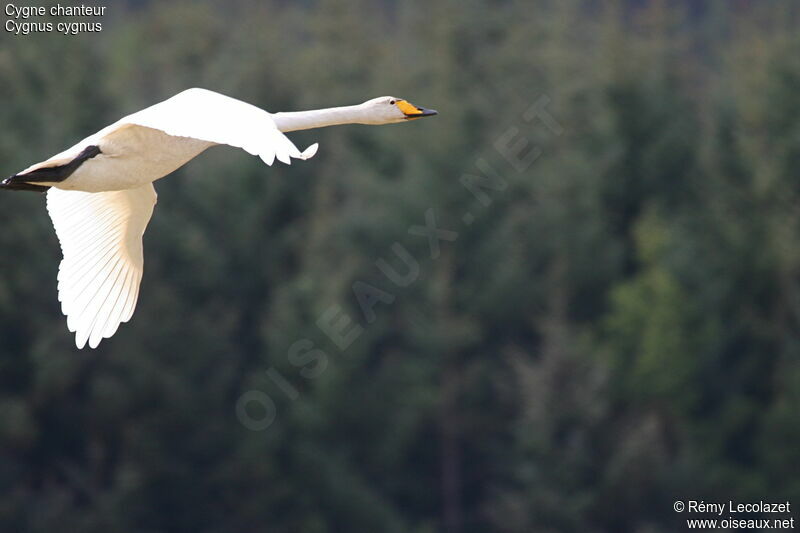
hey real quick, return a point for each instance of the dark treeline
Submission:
(614, 327)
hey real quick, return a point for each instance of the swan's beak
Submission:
(413, 112)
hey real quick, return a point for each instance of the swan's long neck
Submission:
(319, 118)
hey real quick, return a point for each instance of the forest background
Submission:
(608, 324)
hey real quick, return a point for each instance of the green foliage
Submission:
(614, 330)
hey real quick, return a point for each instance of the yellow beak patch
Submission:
(408, 109)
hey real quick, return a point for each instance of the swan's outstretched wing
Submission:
(213, 117)
(101, 239)
(205, 115)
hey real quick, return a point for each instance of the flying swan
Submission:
(100, 192)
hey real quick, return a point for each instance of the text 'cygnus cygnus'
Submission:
(100, 192)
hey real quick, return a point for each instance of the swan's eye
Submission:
(392, 102)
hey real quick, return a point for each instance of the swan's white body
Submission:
(151, 143)
(101, 211)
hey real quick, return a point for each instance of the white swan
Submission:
(100, 192)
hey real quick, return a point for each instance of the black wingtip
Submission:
(12, 184)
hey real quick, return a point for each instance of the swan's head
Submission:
(388, 110)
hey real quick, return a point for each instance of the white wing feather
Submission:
(213, 117)
(204, 115)
(101, 240)
(101, 232)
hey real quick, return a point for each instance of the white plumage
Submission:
(101, 240)
(101, 199)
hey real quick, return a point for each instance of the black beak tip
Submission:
(423, 113)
